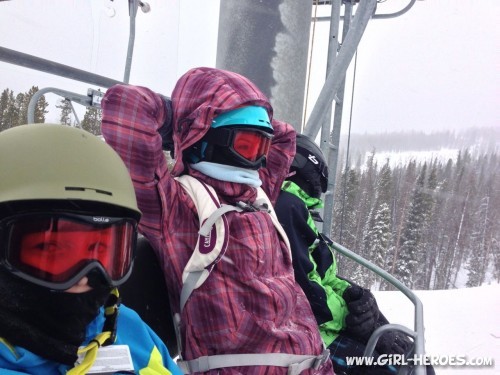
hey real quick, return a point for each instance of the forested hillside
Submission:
(423, 221)
(14, 108)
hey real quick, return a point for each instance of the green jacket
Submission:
(313, 260)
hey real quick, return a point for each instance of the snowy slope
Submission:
(463, 322)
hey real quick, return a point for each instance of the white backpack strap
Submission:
(295, 363)
(263, 199)
(212, 237)
(210, 247)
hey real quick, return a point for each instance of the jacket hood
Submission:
(202, 94)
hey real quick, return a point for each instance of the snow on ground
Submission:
(460, 322)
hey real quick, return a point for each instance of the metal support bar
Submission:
(335, 76)
(395, 14)
(419, 344)
(74, 113)
(377, 16)
(77, 98)
(51, 67)
(333, 147)
(372, 341)
(132, 9)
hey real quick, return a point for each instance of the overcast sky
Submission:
(436, 67)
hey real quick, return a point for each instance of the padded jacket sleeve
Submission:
(314, 266)
(131, 118)
(279, 159)
(293, 215)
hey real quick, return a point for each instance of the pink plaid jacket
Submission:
(250, 303)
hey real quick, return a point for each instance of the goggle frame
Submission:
(16, 267)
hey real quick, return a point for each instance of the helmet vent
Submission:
(75, 188)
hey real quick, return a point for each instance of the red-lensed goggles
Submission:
(57, 250)
(249, 146)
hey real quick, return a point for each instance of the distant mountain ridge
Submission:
(476, 140)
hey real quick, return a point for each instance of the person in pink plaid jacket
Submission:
(249, 316)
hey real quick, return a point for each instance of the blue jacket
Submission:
(149, 355)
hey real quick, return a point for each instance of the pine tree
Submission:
(485, 226)
(492, 182)
(344, 224)
(66, 110)
(381, 237)
(20, 110)
(444, 216)
(92, 120)
(433, 233)
(22, 104)
(4, 106)
(404, 182)
(479, 257)
(366, 206)
(425, 250)
(407, 262)
(469, 189)
(380, 234)
(40, 107)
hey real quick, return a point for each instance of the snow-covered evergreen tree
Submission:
(411, 236)
(344, 224)
(6, 100)
(66, 110)
(40, 107)
(381, 238)
(479, 259)
(92, 120)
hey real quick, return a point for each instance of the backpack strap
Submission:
(262, 197)
(211, 245)
(295, 363)
(213, 234)
(212, 237)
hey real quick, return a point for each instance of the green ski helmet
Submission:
(55, 162)
(67, 208)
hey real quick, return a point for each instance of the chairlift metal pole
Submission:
(331, 149)
(334, 80)
(326, 144)
(51, 67)
(92, 99)
(132, 10)
(381, 15)
(418, 334)
(332, 140)
(339, 68)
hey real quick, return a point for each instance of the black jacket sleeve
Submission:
(293, 214)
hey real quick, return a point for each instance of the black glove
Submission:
(363, 312)
(166, 130)
(393, 342)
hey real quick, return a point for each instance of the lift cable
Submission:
(344, 193)
(309, 68)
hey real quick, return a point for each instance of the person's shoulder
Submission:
(21, 361)
(13, 372)
(130, 315)
(289, 200)
(131, 327)
(290, 209)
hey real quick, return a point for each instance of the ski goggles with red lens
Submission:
(249, 146)
(56, 250)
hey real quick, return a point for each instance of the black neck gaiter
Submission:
(48, 323)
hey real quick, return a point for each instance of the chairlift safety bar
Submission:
(418, 334)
